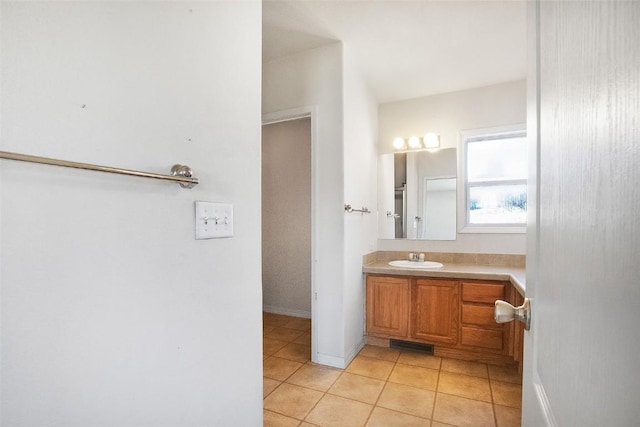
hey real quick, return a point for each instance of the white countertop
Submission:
(458, 271)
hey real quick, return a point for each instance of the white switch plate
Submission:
(213, 220)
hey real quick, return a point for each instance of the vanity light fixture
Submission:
(429, 141)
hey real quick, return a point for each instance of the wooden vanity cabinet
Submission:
(410, 308)
(479, 329)
(454, 315)
(435, 310)
(388, 306)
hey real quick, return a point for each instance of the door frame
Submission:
(285, 116)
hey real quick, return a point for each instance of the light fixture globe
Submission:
(414, 142)
(398, 143)
(431, 140)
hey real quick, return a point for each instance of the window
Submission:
(495, 171)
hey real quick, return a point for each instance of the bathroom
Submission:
(352, 147)
(286, 368)
(113, 313)
(346, 151)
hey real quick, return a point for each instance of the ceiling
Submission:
(407, 49)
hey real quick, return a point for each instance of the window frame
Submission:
(474, 135)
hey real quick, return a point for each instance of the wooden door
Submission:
(388, 306)
(435, 310)
(583, 239)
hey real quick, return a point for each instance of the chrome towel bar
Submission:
(349, 209)
(180, 174)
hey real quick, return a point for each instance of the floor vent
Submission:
(415, 346)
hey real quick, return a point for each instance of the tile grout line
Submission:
(278, 386)
(324, 393)
(435, 393)
(284, 380)
(304, 419)
(386, 381)
(493, 403)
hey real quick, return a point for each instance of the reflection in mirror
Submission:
(417, 197)
(439, 207)
(392, 196)
(400, 194)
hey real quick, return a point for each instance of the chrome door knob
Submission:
(505, 312)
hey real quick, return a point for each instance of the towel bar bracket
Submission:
(183, 171)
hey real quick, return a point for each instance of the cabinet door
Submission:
(388, 306)
(435, 310)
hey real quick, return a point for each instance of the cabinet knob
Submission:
(505, 312)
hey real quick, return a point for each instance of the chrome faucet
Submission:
(416, 257)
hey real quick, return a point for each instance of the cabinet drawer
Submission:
(481, 315)
(482, 292)
(485, 338)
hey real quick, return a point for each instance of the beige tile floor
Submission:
(382, 387)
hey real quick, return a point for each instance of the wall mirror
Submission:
(417, 195)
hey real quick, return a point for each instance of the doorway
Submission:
(287, 215)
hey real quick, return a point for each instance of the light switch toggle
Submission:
(213, 220)
(216, 220)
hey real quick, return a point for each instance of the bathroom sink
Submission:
(415, 264)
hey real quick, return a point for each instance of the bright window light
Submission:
(496, 179)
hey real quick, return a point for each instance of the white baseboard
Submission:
(354, 352)
(339, 362)
(333, 361)
(287, 311)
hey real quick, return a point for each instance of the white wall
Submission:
(286, 217)
(112, 314)
(313, 78)
(447, 114)
(345, 159)
(360, 189)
